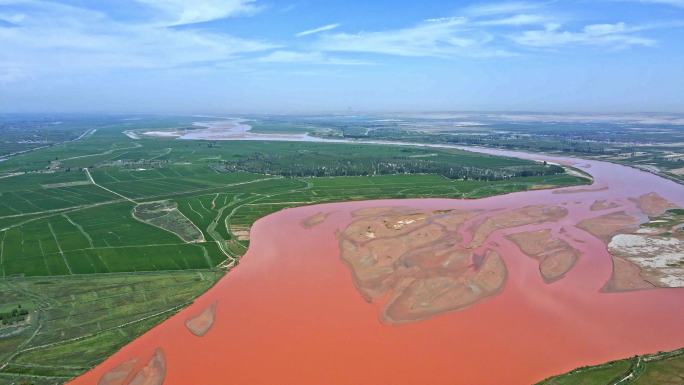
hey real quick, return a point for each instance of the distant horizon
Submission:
(236, 114)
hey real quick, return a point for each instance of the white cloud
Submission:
(12, 18)
(674, 3)
(328, 27)
(489, 30)
(57, 39)
(517, 20)
(435, 37)
(178, 12)
(308, 58)
(617, 35)
(494, 9)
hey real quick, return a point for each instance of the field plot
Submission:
(97, 240)
(75, 322)
(167, 181)
(165, 215)
(36, 193)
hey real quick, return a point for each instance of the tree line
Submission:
(298, 166)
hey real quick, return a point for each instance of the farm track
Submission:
(106, 189)
(143, 199)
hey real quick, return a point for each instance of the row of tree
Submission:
(291, 166)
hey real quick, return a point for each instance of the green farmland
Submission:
(662, 368)
(105, 237)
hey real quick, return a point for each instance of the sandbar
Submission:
(202, 323)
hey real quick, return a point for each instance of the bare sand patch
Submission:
(605, 226)
(600, 205)
(653, 204)
(556, 257)
(384, 223)
(580, 190)
(419, 259)
(646, 256)
(659, 259)
(626, 277)
(202, 323)
(241, 232)
(425, 297)
(514, 218)
(119, 374)
(153, 373)
(131, 134)
(164, 134)
(315, 220)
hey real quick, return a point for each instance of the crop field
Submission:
(76, 321)
(92, 276)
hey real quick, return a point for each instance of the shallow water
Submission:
(289, 313)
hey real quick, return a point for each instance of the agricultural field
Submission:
(104, 237)
(659, 368)
(75, 321)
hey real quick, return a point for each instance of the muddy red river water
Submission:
(289, 313)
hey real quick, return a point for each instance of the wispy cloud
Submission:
(674, 3)
(517, 20)
(309, 58)
(435, 37)
(492, 30)
(328, 27)
(77, 39)
(617, 36)
(494, 9)
(179, 12)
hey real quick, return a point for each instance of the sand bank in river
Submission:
(606, 226)
(643, 257)
(575, 190)
(315, 220)
(420, 258)
(653, 204)
(556, 257)
(602, 204)
(514, 218)
(151, 374)
(651, 256)
(119, 374)
(202, 323)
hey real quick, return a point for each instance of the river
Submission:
(289, 313)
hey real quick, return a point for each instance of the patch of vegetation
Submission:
(366, 161)
(13, 317)
(671, 222)
(78, 321)
(165, 215)
(659, 368)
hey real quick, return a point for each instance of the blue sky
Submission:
(232, 56)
